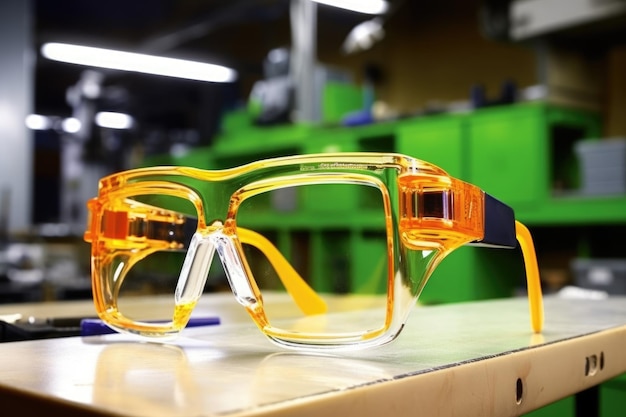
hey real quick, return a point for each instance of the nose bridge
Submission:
(216, 195)
(234, 268)
(197, 263)
(195, 270)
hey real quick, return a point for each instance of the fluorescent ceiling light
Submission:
(113, 120)
(364, 35)
(361, 6)
(38, 122)
(71, 125)
(129, 61)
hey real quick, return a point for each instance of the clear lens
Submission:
(146, 237)
(334, 235)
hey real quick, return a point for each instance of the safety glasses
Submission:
(370, 227)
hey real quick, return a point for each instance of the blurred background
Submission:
(519, 97)
(524, 98)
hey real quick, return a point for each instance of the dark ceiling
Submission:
(236, 33)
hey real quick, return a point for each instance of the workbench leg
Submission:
(588, 402)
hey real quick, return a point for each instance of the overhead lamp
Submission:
(39, 122)
(71, 125)
(364, 36)
(360, 6)
(130, 61)
(113, 120)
